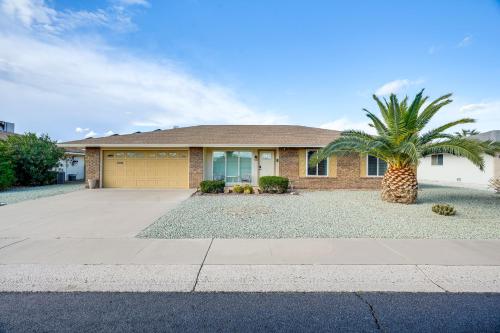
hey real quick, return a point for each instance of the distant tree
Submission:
(6, 171)
(32, 158)
(466, 132)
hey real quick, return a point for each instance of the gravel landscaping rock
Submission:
(340, 214)
(19, 194)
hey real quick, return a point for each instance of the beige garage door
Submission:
(146, 168)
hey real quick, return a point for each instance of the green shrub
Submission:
(7, 178)
(238, 189)
(32, 158)
(443, 209)
(273, 184)
(248, 189)
(212, 186)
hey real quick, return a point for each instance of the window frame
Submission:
(307, 165)
(378, 165)
(437, 160)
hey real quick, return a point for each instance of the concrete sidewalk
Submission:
(130, 264)
(317, 251)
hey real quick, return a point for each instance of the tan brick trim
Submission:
(195, 166)
(93, 165)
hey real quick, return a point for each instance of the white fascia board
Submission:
(107, 145)
(74, 153)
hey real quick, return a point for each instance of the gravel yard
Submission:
(342, 214)
(19, 194)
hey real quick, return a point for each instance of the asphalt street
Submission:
(249, 312)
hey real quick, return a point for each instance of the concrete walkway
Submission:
(129, 264)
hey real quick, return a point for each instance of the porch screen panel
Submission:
(232, 167)
(219, 165)
(245, 166)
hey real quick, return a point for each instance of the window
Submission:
(266, 156)
(320, 169)
(437, 159)
(135, 155)
(232, 166)
(376, 166)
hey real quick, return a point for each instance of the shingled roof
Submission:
(218, 135)
(488, 136)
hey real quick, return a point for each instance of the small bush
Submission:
(238, 189)
(495, 184)
(212, 186)
(247, 189)
(32, 158)
(7, 178)
(443, 209)
(273, 184)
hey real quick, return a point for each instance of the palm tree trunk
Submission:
(400, 185)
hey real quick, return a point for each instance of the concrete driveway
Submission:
(105, 213)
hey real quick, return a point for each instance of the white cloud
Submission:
(486, 114)
(90, 134)
(466, 41)
(144, 3)
(81, 130)
(66, 82)
(393, 87)
(36, 15)
(473, 107)
(344, 123)
(108, 133)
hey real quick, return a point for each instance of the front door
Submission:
(266, 163)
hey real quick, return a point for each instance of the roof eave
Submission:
(171, 145)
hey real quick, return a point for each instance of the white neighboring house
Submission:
(73, 164)
(446, 169)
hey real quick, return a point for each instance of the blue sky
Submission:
(75, 69)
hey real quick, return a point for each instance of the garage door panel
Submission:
(146, 169)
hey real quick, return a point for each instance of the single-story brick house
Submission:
(183, 157)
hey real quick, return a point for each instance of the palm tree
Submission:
(401, 142)
(466, 132)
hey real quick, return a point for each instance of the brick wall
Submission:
(348, 173)
(92, 164)
(195, 166)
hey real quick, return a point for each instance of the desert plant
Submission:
(32, 158)
(444, 209)
(273, 184)
(248, 189)
(212, 186)
(401, 142)
(238, 189)
(495, 184)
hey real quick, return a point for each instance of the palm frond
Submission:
(432, 134)
(469, 149)
(399, 140)
(432, 109)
